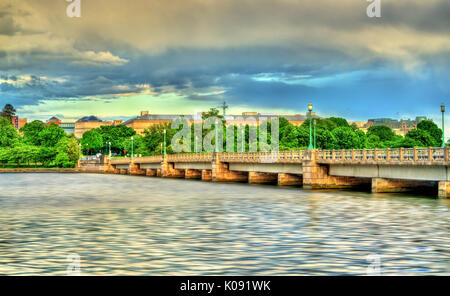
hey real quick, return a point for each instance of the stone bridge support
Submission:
(262, 178)
(289, 180)
(221, 172)
(193, 174)
(380, 185)
(316, 176)
(151, 172)
(168, 170)
(135, 169)
(206, 175)
(444, 189)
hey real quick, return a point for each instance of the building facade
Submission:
(146, 120)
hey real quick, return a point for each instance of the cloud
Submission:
(91, 58)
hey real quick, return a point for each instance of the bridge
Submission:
(381, 170)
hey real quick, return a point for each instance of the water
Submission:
(126, 225)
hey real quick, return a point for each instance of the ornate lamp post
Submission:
(243, 139)
(109, 146)
(79, 145)
(165, 132)
(217, 135)
(310, 127)
(315, 143)
(443, 125)
(132, 147)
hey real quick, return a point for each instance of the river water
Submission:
(128, 225)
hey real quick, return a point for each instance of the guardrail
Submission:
(190, 157)
(121, 161)
(389, 155)
(148, 159)
(358, 156)
(263, 157)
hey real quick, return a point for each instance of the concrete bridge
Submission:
(381, 170)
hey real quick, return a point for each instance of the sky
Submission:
(186, 56)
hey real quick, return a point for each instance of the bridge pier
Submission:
(193, 174)
(444, 189)
(123, 171)
(221, 172)
(151, 172)
(135, 169)
(316, 176)
(382, 185)
(206, 175)
(289, 180)
(262, 178)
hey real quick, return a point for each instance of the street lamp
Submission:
(315, 143)
(79, 145)
(243, 139)
(310, 126)
(217, 136)
(109, 145)
(165, 132)
(132, 147)
(443, 125)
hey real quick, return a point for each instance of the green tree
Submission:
(31, 132)
(346, 138)
(92, 141)
(51, 135)
(383, 132)
(433, 130)
(421, 137)
(154, 137)
(67, 147)
(116, 135)
(8, 133)
(8, 112)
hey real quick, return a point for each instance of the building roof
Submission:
(89, 118)
(54, 119)
(246, 116)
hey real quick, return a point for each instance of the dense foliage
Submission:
(37, 145)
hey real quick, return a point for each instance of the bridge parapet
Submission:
(148, 159)
(120, 161)
(190, 157)
(263, 157)
(402, 156)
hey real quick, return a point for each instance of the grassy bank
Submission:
(40, 170)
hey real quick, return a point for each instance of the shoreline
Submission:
(41, 170)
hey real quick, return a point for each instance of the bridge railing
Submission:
(263, 157)
(389, 155)
(190, 157)
(148, 159)
(121, 161)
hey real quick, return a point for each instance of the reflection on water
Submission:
(150, 226)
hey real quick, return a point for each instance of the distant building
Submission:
(18, 122)
(400, 127)
(91, 122)
(68, 127)
(146, 120)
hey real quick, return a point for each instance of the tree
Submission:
(68, 152)
(139, 146)
(421, 137)
(154, 137)
(383, 132)
(325, 139)
(8, 133)
(92, 141)
(51, 135)
(346, 138)
(31, 132)
(116, 135)
(433, 130)
(8, 112)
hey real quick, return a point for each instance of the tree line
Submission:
(44, 145)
